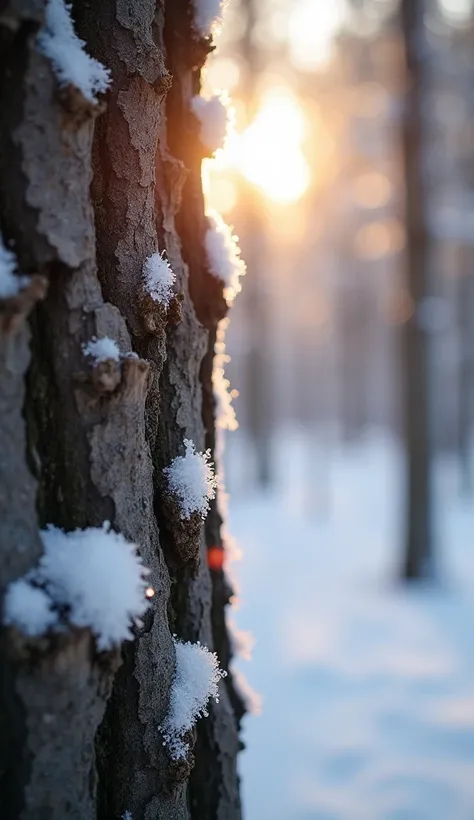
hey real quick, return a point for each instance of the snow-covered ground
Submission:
(367, 688)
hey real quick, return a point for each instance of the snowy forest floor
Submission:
(367, 687)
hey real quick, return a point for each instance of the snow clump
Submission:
(99, 576)
(192, 481)
(159, 278)
(223, 254)
(94, 573)
(28, 608)
(102, 349)
(58, 41)
(223, 395)
(196, 680)
(216, 119)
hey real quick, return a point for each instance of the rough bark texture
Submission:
(86, 194)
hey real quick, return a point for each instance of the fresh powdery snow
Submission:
(29, 608)
(98, 575)
(223, 255)
(196, 680)
(366, 684)
(59, 42)
(127, 816)
(215, 118)
(192, 481)
(10, 284)
(102, 349)
(207, 14)
(159, 278)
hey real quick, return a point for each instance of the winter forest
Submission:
(236, 410)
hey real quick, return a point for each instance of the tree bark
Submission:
(87, 193)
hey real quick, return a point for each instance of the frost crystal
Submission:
(102, 349)
(59, 42)
(28, 608)
(10, 285)
(191, 479)
(223, 254)
(127, 815)
(208, 14)
(216, 118)
(196, 680)
(99, 576)
(159, 278)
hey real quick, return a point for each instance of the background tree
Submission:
(419, 546)
(88, 192)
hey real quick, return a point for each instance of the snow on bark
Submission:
(242, 643)
(159, 278)
(95, 573)
(29, 608)
(223, 255)
(99, 576)
(102, 349)
(59, 42)
(215, 116)
(249, 697)
(196, 680)
(223, 395)
(192, 481)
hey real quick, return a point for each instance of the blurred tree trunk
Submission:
(86, 195)
(419, 537)
(465, 293)
(256, 297)
(355, 339)
(258, 360)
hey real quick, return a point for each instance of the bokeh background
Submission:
(365, 678)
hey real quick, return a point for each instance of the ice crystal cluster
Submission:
(196, 680)
(58, 41)
(223, 255)
(159, 278)
(94, 575)
(191, 480)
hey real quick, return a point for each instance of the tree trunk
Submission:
(258, 387)
(465, 284)
(419, 536)
(87, 193)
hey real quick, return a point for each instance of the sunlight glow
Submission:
(313, 27)
(268, 153)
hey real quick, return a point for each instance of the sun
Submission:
(268, 153)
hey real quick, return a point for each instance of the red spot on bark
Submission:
(215, 558)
